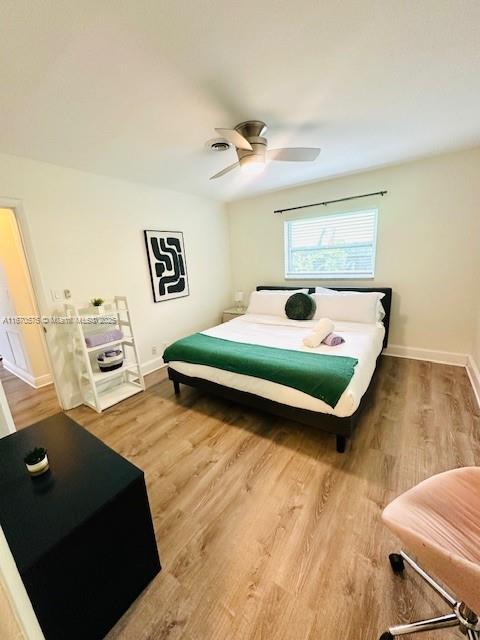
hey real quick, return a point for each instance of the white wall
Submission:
(473, 366)
(427, 250)
(86, 234)
(476, 340)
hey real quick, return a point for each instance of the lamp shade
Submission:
(238, 296)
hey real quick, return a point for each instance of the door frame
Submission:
(36, 281)
(20, 606)
(9, 576)
(7, 425)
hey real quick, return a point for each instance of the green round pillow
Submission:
(300, 306)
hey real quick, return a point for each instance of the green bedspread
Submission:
(319, 375)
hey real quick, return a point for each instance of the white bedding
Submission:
(362, 341)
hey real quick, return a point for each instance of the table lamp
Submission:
(239, 300)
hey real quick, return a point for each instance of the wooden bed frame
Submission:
(342, 428)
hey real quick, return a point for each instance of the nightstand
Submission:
(230, 314)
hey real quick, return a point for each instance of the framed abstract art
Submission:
(168, 267)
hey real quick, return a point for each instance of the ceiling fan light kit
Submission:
(252, 164)
(251, 147)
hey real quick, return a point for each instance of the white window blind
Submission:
(330, 247)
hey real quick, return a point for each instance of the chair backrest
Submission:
(439, 522)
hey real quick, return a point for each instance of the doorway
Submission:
(25, 367)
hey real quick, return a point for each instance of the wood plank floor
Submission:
(264, 531)
(26, 403)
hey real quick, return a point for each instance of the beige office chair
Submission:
(438, 521)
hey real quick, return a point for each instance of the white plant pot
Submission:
(100, 311)
(39, 467)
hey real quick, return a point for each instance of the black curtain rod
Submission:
(318, 204)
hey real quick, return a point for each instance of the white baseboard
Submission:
(152, 365)
(431, 355)
(19, 373)
(162, 373)
(442, 357)
(474, 375)
(149, 366)
(35, 382)
(43, 381)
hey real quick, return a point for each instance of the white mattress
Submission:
(362, 341)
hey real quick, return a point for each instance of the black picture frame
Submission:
(167, 264)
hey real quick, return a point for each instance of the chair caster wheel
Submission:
(398, 566)
(386, 636)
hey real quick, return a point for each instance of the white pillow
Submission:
(270, 303)
(288, 292)
(325, 291)
(333, 292)
(349, 307)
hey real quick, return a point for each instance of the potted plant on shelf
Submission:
(36, 461)
(97, 304)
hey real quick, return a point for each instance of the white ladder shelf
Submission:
(100, 389)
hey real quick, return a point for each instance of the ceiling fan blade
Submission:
(293, 154)
(226, 170)
(235, 138)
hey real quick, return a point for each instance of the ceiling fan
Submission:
(251, 147)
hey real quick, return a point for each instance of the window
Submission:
(331, 247)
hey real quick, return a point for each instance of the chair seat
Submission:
(439, 522)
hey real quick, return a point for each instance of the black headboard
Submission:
(386, 300)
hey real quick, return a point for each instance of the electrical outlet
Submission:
(154, 351)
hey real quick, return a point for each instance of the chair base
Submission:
(461, 616)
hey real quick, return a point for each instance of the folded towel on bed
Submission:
(333, 340)
(319, 332)
(312, 340)
(323, 327)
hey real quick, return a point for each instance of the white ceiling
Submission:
(133, 89)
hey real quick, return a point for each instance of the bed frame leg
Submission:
(341, 443)
(176, 387)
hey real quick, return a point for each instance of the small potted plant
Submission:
(36, 461)
(97, 304)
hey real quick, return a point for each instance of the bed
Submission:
(263, 334)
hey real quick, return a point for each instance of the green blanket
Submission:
(319, 375)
